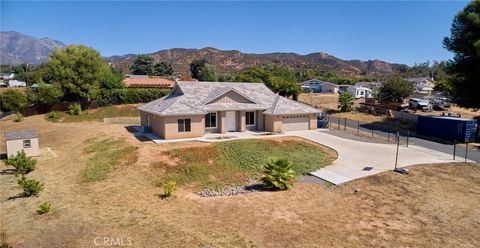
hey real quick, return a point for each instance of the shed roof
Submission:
(22, 134)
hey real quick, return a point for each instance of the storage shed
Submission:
(26, 140)
(447, 128)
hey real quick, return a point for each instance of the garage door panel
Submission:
(295, 124)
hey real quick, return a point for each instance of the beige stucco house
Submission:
(195, 108)
(26, 140)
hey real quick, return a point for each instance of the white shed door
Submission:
(294, 123)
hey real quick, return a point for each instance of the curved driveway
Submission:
(354, 157)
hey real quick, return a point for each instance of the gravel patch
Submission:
(232, 190)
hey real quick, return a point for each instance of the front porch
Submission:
(234, 121)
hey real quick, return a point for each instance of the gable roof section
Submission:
(189, 97)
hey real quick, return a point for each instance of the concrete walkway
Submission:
(357, 159)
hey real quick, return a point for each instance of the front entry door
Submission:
(230, 120)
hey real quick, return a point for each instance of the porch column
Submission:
(222, 124)
(240, 121)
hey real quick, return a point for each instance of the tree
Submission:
(345, 102)
(113, 80)
(207, 73)
(49, 93)
(394, 89)
(22, 164)
(196, 66)
(142, 65)
(464, 42)
(443, 85)
(78, 69)
(163, 69)
(278, 174)
(13, 100)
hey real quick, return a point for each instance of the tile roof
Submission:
(22, 134)
(146, 82)
(191, 97)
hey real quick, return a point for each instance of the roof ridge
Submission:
(275, 103)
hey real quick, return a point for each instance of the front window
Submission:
(250, 118)
(184, 125)
(211, 120)
(27, 144)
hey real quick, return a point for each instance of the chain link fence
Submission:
(383, 133)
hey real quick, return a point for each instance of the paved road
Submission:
(357, 159)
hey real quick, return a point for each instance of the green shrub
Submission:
(13, 100)
(168, 188)
(18, 117)
(30, 186)
(52, 116)
(75, 109)
(44, 208)
(23, 164)
(345, 102)
(278, 174)
(127, 96)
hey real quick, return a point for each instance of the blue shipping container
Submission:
(447, 128)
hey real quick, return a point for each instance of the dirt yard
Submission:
(324, 101)
(436, 205)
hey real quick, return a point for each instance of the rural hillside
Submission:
(233, 61)
(17, 48)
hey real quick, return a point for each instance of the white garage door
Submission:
(294, 123)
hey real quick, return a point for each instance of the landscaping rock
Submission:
(230, 191)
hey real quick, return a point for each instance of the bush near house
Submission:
(23, 164)
(128, 96)
(18, 117)
(75, 109)
(13, 100)
(345, 102)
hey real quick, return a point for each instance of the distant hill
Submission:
(17, 48)
(234, 61)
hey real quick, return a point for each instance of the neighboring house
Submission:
(16, 83)
(144, 81)
(359, 91)
(7, 76)
(423, 85)
(26, 140)
(2, 83)
(195, 108)
(371, 85)
(316, 85)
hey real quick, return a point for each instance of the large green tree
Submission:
(464, 42)
(196, 66)
(78, 69)
(163, 69)
(143, 65)
(49, 93)
(394, 89)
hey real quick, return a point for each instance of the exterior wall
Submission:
(171, 127)
(14, 146)
(231, 97)
(329, 88)
(143, 118)
(273, 123)
(313, 121)
(260, 120)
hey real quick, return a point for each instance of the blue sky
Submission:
(402, 32)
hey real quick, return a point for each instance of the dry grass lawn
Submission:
(435, 206)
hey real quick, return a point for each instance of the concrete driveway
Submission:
(357, 159)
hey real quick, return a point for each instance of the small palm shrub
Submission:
(169, 187)
(18, 117)
(30, 186)
(75, 109)
(44, 208)
(278, 174)
(345, 102)
(23, 164)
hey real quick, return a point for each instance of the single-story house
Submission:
(195, 108)
(144, 81)
(316, 85)
(359, 91)
(16, 83)
(371, 85)
(423, 85)
(7, 76)
(26, 140)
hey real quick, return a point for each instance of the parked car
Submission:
(420, 104)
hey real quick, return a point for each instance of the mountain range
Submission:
(18, 48)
